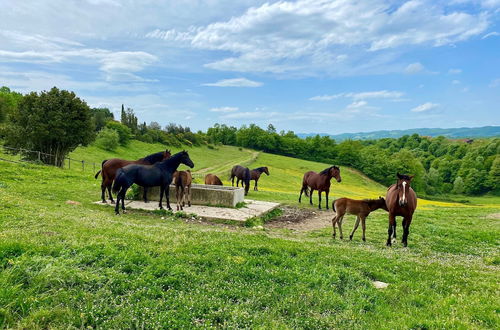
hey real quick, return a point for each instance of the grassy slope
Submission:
(79, 265)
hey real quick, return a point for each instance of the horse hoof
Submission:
(388, 244)
(350, 238)
(103, 201)
(364, 239)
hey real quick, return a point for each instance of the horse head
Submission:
(382, 203)
(166, 154)
(186, 160)
(266, 170)
(403, 187)
(335, 173)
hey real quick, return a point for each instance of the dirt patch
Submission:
(302, 219)
(493, 216)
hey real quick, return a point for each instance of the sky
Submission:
(308, 66)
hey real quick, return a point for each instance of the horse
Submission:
(213, 179)
(241, 173)
(401, 201)
(256, 173)
(109, 168)
(320, 182)
(360, 208)
(182, 181)
(158, 174)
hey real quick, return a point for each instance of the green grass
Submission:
(69, 266)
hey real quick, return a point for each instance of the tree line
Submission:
(56, 122)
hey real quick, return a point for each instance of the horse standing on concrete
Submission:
(401, 200)
(159, 174)
(212, 179)
(241, 173)
(360, 208)
(182, 181)
(320, 182)
(256, 173)
(110, 167)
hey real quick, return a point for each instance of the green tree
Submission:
(123, 131)
(101, 117)
(107, 139)
(53, 122)
(494, 175)
(9, 102)
(476, 182)
(458, 186)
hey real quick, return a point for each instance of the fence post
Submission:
(39, 156)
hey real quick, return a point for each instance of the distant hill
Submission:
(462, 132)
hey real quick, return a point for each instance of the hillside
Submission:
(69, 265)
(462, 132)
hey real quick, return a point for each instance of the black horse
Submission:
(256, 173)
(243, 174)
(159, 174)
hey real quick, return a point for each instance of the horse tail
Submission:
(118, 181)
(306, 190)
(102, 165)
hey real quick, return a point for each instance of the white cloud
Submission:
(491, 34)
(495, 83)
(425, 107)
(454, 71)
(224, 109)
(455, 82)
(414, 68)
(289, 36)
(383, 94)
(236, 82)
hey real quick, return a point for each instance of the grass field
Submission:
(73, 266)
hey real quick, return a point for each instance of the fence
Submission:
(38, 155)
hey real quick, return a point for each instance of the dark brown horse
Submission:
(360, 208)
(401, 201)
(241, 173)
(213, 179)
(256, 173)
(110, 166)
(320, 182)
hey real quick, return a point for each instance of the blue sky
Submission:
(307, 66)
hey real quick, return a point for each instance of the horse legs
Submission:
(300, 195)
(179, 196)
(406, 230)
(188, 194)
(356, 224)
(162, 189)
(232, 181)
(363, 226)
(120, 195)
(319, 201)
(339, 223)
(334, 220)
(103, 192)
(145, 195)
(311, 196)
(167, 194)
(110, 194)
(392, 221)
(255, 187)
(326, 193)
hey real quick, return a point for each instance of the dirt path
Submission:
(302, 219)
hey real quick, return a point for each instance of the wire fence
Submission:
(39, 157)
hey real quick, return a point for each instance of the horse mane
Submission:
(153, 158)
(327, 170)
(404, 177)
(259, 169)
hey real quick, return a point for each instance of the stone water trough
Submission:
(202, 194)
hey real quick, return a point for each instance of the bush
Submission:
(124, 132)
(107, 139)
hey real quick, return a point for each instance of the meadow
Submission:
(78, 265)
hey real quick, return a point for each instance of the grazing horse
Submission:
(401, 201)
(182, 181)
(158, 174)
(320, 182)
(213, 179)
(360, 208)
(241, 173)
(109, 168)
(255, 174)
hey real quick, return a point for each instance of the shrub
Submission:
(124, 132)
(107, 139)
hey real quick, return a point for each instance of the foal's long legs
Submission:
(392, 221)
(334, 220)
(356, 224)
(363, 226)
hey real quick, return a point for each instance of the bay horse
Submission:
(158, 174)
(213, 179)
(110, 166)
(241, 173)
(401, 201)
(182, 181)
(360, 208)
(256, 173)
(320, 182)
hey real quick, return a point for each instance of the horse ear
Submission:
(399, 175)
(411, 177)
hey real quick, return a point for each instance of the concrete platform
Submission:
(252, 209)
